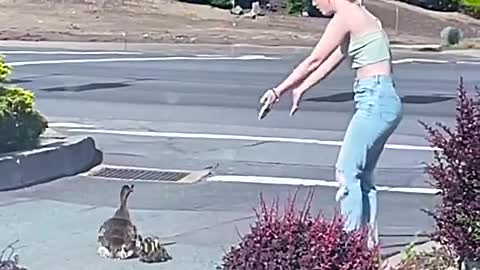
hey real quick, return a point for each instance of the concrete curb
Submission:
(173, 47)
(55, 160)
(213, 48)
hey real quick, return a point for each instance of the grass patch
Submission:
(472, 2)
(471, 8)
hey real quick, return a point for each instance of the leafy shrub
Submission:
(295, 6)
(198, 2)
(20, 125)
(5, 70)
(468, 7)
(224, 4)
(471, 8)
(448, 5)
(456, 173)
(439, 258)
(295, 240)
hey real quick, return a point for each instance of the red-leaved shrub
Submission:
(295, 240)
(456, 173)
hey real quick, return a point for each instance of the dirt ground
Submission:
(170, 21)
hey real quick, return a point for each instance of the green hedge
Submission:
(472, 2)
(20, 124)
(223, 4)
(471, 8)
(296, 6)
(5, 70)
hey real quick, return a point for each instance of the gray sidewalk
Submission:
(56, 223)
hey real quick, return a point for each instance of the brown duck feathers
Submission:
(117, 236)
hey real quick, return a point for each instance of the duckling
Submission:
(117, 236)
(11, 262)
(151, 250)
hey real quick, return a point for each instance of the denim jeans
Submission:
(378, 113)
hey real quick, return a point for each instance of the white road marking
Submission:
(247, 56)
(415, 46)
(197, 57)
(308, 182)
(433, 61)
(237, 137)
(419, 60)
(139, 59)
(468, 62)
(267, 180)
(71, 52)
(69, 125)
(210, 55)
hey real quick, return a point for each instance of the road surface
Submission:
(153, 94)
(189, 113)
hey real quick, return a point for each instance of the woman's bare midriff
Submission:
(380, 68)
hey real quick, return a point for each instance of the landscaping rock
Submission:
(451, 36)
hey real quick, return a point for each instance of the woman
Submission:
(353, 32)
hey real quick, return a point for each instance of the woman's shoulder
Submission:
(373, 17)
(364, 22)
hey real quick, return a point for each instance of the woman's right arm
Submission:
(332, 38)
(330, 64)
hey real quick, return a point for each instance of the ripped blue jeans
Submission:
(378, 113)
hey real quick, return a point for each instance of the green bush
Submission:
(471, 3)
(224, 4)
(295, 6)
(471, 8)
(5, 70)
(20, 124)
(472, 11)
(438, 258)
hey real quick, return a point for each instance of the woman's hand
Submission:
(296, 98)
(269, 98)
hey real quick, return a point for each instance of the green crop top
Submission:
(370, 48)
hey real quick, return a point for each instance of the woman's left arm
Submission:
(333, 36)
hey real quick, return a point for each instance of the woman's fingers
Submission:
(293, 110)
(266, 97)
(296, 97)
(263, 98)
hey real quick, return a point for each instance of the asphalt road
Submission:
(221, 97)
(207, 97)
(56, 223)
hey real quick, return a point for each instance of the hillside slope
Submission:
(172, 21)
(418, 21)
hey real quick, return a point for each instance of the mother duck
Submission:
(117, 236)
